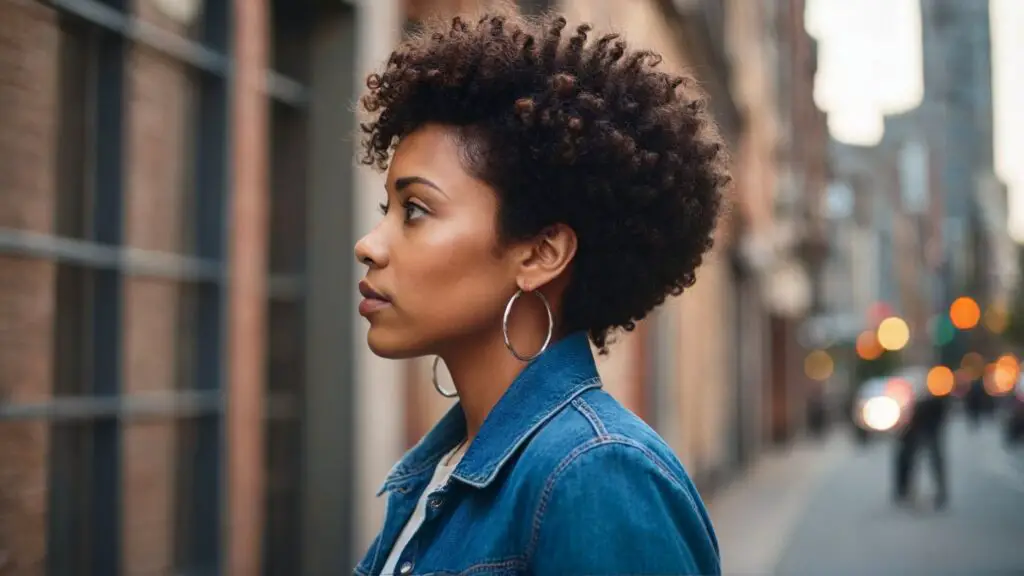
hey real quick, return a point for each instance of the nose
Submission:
(370, 250)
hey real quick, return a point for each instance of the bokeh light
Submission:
(1008, 361)
(996, 319)
(900, 390)
(881, 413)
(877, 312)
(1001, 376)
(893, 333)
(1004, 377)
(989, 381)
(868, 347)
(973, 365)
(818, 365)
(964, 376)
(942, 330)
(964, 313)
(941, 381)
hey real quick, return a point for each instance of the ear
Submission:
(546, 256)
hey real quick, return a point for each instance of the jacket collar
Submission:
(540, 391)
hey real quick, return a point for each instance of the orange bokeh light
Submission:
(941, 381)
(973, 364)
(818, 365)
(996, 319)
(964, 313)
(1001, 375)
(868, 346)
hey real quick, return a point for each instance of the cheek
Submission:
(452, 280)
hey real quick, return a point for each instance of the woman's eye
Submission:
(383, 208)
(413, 211)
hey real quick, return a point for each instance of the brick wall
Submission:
(28, 76)
(159, 95)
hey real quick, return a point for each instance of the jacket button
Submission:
(405, 568)
(436, 503)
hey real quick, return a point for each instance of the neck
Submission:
(481, 373)
(483, 368)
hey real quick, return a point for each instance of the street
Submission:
(831, 513)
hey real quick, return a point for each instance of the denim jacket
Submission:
(560, 480)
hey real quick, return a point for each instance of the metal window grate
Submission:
(96, 408)
(135, 262)
(90, 412)
(103, 14)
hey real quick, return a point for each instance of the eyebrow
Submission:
(406, 181)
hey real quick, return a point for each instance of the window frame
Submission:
(92, 396)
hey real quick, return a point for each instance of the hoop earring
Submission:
(437, 385)
(504, 326)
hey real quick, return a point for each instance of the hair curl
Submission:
(585, 133)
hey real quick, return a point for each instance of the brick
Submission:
(28, 75)
(160, 92)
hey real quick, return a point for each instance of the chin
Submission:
(388, 344)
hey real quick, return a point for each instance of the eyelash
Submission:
(408, 206)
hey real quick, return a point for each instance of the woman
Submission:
(542, 189)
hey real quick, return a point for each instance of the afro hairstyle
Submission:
(574, 130)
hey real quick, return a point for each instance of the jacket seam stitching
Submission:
(512, 562)
(517, 562)
(549, 486)
(588, 412)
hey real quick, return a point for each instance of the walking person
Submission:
(923, 433)
(545, 188)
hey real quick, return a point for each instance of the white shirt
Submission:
(441, 474)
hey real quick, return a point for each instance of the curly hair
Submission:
(583, 133)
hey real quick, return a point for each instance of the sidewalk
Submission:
(756, 514)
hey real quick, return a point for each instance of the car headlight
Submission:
(881, 413)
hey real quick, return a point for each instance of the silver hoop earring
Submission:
(437, 385)
(504, 326)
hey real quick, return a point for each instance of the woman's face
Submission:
(435, 274)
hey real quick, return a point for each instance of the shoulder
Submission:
(608, 477)
(596, 426)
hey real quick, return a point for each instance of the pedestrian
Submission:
(923, 433)
(545, 188)
(973, 402)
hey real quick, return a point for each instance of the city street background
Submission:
(185, 387)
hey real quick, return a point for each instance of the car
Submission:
(883, 405)
(1013, 423)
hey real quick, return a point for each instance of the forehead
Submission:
(432, 148)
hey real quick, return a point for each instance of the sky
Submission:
(870, 65)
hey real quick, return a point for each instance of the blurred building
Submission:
(184, 386)
(926, 201)
(782, 170)
(977, 250)
(177, 341)
(883, 223)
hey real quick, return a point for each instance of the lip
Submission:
(370, 293)
(373, 300)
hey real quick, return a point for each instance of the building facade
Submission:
(782, 173)
(178, 343)
(957, 48)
